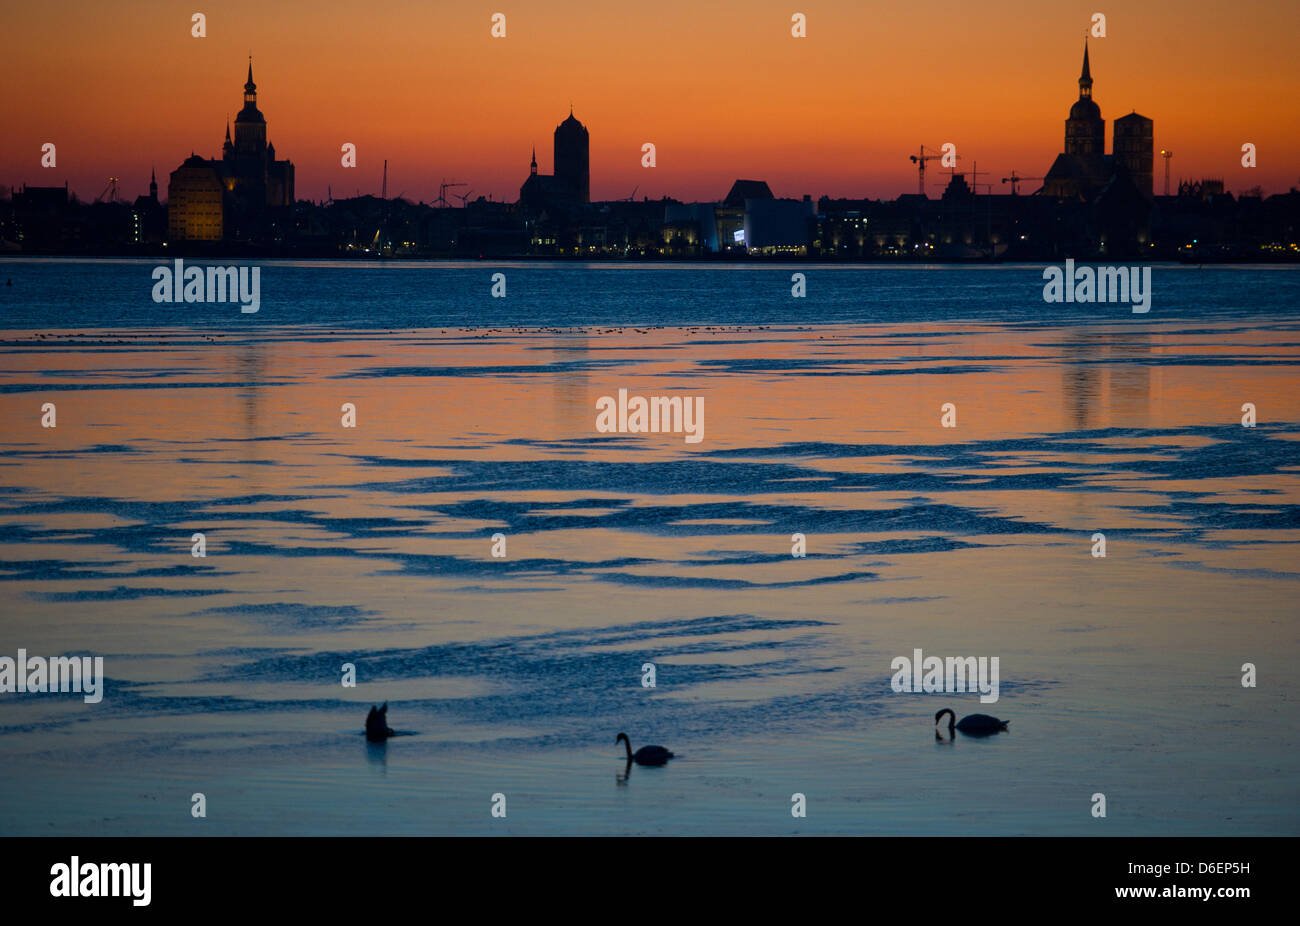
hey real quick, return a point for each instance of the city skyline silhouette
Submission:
(441, 99)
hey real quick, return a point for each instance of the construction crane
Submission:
(919, 160)
(1167, 155)
(442, 192)
(1016, 178)
(112, 196)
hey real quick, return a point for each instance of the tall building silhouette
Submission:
(1083, 170)
(570, 185)
(1085, 130)
(249, 179)
(250, 124)
(1134, 148)
(572, 157)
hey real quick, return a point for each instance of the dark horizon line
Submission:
(11, 189)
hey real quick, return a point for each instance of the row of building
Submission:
(1089, 203)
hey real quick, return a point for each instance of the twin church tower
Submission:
(1084, 169)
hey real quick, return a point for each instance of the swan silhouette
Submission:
(972, 724)
(377, 724)
(646, 755)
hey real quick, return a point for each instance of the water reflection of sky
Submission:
(371, 546)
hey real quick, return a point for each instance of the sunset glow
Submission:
(721, 89)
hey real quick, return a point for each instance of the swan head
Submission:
(622, 737)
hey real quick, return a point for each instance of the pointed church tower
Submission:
(1085, 78)
(153, 184)
(250, 125)
(1085, 130)
(532, 168)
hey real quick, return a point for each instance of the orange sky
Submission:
(720, 87)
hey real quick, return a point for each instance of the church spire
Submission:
(250, 88)
(1085, 76)
(250, 124)
(532, 169)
